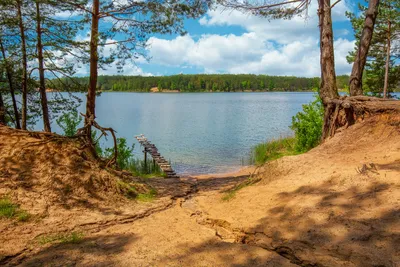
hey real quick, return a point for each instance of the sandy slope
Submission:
(322, 208)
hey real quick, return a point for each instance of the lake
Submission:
(199, 132)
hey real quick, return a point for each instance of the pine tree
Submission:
(380, 69)
(132, 24)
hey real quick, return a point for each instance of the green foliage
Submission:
(69, 122)
(97, 146)
(7, 208)
(307, 126)
(272, 150)
(125, 153)
(65, 238)
(10, 210)
(374, 74)
(146, 170)
(126, 161)
(204, 83)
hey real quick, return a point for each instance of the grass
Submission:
(231, 193)
(262, 153)
(64, 238)
(140, 169)
(147, 197)
(128, 190)
(273, 150)
(131, 192)
(10, 210)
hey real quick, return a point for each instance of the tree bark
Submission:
(24, 84)
(2, 111)
(363, 48)
(328, 87)
(11, 86)
(42, 86)
(91, 96)
(385, 86)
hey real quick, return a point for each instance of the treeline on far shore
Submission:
(197, 83)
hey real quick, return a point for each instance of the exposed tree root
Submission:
(346, 111)
(82, 132)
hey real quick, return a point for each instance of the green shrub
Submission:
(7, 208)
(126, 160)
(69, 122)
(10, 210)
(125, 153)
(97, 147)
(272, 150)
(147, 170)
(307, 125)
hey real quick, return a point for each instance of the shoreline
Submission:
(243, 171)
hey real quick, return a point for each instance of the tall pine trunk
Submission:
(328, 87)
(385, 86)
(94, 58)
(24, 84)
(42, 86)
(11, 86)
(363, 48)
(2, 111)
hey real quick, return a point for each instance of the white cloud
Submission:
(129, 68)
(246, 53)
(281, 31)
(278, 47)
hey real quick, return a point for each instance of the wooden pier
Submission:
(150, 148)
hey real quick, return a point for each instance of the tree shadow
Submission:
(319, 224)
(94, 251)
(176, 188)
(221, 254)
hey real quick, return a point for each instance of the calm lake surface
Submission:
(199, 132)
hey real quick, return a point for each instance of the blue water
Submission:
(199, 132)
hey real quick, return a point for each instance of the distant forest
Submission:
(199, 83)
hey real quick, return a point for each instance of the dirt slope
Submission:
(338, 205)
(318, 209)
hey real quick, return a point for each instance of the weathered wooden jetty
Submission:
(150, 148)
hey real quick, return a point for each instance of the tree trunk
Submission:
(385, 86)
(11, 86)
(328, 87)
(91, 96)
(2, 111)
(363, 48)
(42, 86)
(24, 65)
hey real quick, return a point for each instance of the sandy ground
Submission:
(337, 205)
(244, 171)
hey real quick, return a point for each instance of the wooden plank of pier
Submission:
(150, 148)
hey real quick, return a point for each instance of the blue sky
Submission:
(233, 42)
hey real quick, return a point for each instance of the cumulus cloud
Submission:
(277, 47)
(129, 68)
(246, 53)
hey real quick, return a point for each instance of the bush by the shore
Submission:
(307, 127)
